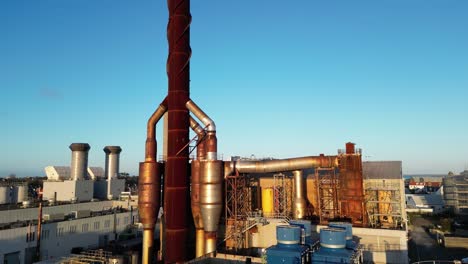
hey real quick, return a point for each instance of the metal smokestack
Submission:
(112, 166)
(79, 163)
(176, 178)
(300, 204)
(210, 180)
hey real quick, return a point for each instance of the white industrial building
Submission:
(71, 216)
(86, 225)
(13, 193)
(79, 182)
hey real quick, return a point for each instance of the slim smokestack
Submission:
(300, 203)
(79, 163)
(112, 166)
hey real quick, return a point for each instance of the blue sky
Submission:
(280, 79)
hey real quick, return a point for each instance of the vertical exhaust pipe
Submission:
(112, 167)
(79, 162)
(149, 186)
(195, 189)
(210, 180)
(300, 203)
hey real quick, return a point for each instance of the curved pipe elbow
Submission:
(196, 127)
(154, 119)
(202, 116)
(150, 147)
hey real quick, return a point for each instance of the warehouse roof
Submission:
(381, 170)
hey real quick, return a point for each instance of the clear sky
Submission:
(280, 78)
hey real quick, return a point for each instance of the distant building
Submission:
(425, 203)
(455, 189)
(68, 226)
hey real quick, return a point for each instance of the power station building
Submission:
(79, 182)
(69, 215)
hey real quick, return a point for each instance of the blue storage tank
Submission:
(332, 247)
(288, 250)
(306, 226)
(348, 227)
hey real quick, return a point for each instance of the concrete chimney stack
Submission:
(112, 166)
(79, 163)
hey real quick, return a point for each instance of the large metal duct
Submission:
(112, 166)
(176, 187)
(195, 189)
(280, 165)
(149, 185)
(300, 203)
(79, 162)
(210, 180)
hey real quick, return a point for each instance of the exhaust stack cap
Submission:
(80, 147)
(112, 150)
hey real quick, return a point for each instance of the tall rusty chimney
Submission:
(176, 180)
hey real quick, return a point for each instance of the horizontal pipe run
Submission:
(292, 164)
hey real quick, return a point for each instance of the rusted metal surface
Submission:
(350, 148)
(150, 145)
(176, 187)
(351, 187)
(149, 185)
(148, 204)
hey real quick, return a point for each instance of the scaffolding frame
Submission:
(236, 205)
(383, 204)
(327, 182)
(282, 196)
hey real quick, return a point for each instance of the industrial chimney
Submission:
(79, 163)
(112, 166)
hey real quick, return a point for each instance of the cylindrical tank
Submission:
(300, 203)
(344, 225)
(288, 234)
(22, 193)
(267, 201)
(210, 193)
(79, 163)
(307, 226)
(333, 238)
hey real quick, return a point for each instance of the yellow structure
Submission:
(267, 201)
